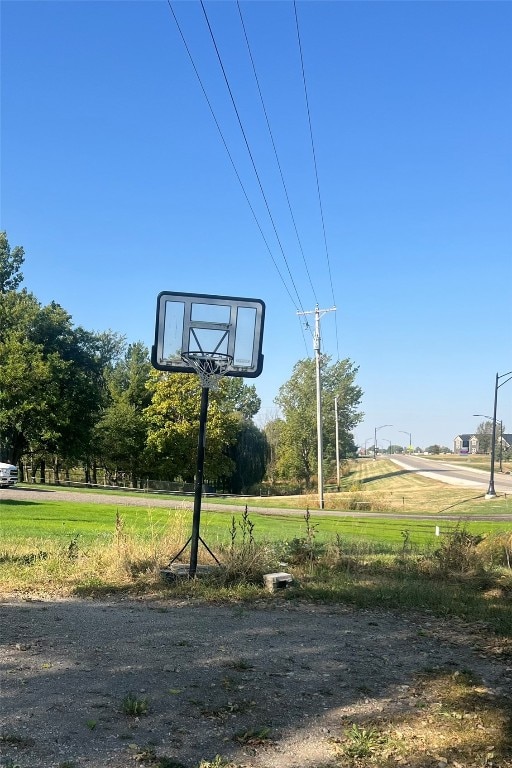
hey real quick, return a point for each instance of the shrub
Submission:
(458, 552)
(305, 549)
(496, 549)
(245, 561)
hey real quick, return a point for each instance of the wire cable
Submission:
(316, 168)
(229, 153)
(275, 151)
(250, 154)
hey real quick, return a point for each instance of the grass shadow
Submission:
(385, 589)
(24, 503)
(400, 472)
(104, 590)
(464, 501)
(386, 475)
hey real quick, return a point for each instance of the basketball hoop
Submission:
(209, 366)
(231, 328)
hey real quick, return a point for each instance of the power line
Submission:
(250, 152)
(316, 167)
(275, 150)
(212, 111)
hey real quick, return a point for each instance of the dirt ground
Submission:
(267, 686)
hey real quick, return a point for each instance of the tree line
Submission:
(72, 398)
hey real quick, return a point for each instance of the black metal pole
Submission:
(491, 493)
(198, 490)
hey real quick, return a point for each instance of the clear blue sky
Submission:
(116, 182)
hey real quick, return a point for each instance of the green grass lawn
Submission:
(51, 549)
(62, 548)
(59, 520)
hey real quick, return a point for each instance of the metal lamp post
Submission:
(375, 439)
(491, 493)
(407, 433)
(387, 441)
(484, 416)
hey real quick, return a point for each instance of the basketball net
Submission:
(211, 367)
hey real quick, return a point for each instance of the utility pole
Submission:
(316, 346)
(337, 443)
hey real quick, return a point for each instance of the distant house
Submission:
(468, 443)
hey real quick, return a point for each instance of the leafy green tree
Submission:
(242, 397)
(173, 427)
(28, 394)
(121, 432)
(11, 262)
(51, 379)
(121, 440)
(250, 451)
(249, 454)
(129, 376)
(274, 434)
(484, 434)
(297, 400)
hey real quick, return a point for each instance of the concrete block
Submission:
(275, 581)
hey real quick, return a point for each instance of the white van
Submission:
(8, 475)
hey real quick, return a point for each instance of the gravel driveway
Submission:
(48, 494)
(267, 686)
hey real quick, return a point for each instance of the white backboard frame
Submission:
(227, 325)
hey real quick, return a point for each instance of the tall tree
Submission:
(338, 381)
(129, 376)
(297, 400)
(249, 454)
(29, 395)
(121, 432)
(10, 265)
(274, 433)
(173, 426)
(51, 379)
(484, 434)
(242, 397)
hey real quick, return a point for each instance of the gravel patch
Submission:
(292, 675)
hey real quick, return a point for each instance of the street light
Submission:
(491, 493)
(483, 416)
(387, 441)
(375, 439)
(410, 436)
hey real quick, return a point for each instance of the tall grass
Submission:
(461, 574)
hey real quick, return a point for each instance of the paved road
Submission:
(453, 474)
(36, 494)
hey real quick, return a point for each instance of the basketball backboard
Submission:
(200, 326)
